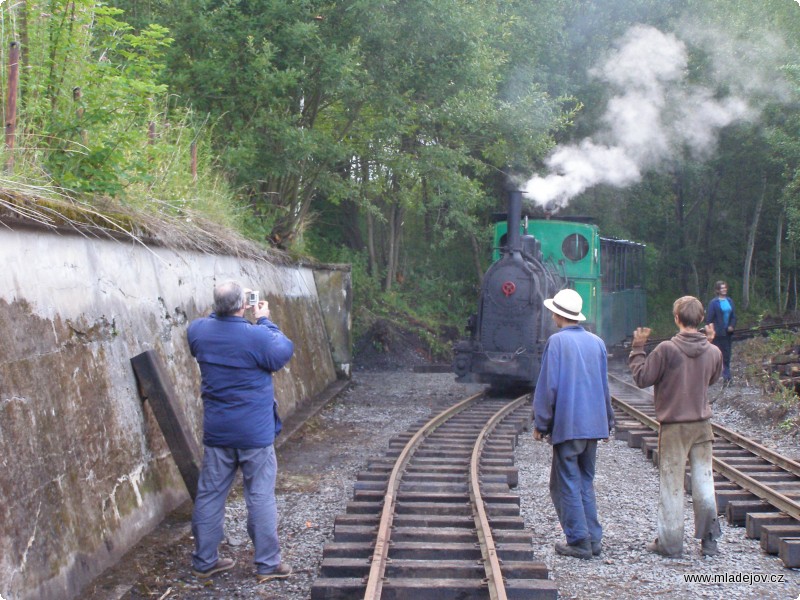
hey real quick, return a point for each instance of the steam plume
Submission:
(653, 114)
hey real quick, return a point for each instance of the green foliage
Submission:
(94, 115)
(438, 350)
(283, 87)
(382, 132)
(757, 351)
(102, 148)
(94, 143)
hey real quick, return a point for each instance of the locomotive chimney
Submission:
(513, 220)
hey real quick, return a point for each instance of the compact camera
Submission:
(252, 299)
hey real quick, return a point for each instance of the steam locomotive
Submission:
(534, 260)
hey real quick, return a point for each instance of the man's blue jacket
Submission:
(572, 399)
(236, 361)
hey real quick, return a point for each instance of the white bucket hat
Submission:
(568, 304)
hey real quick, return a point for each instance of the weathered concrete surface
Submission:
(84, 469)
(335, 290)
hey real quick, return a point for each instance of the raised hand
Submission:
(640, 336)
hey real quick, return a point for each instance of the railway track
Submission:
(755, 486)
(738, 334)
(436, 518)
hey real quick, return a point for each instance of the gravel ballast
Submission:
(318, 466)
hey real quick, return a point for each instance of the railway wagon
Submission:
(506, 337)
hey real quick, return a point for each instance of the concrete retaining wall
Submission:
(334, 287)
(85, 471)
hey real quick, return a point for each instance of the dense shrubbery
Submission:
(382, 133)
(95, 120)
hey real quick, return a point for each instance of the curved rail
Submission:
(378, 562)
(494, 576)
(436, 517)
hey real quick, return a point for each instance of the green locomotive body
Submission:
(608, 273)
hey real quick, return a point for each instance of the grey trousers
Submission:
(259, 469)
(676, 442)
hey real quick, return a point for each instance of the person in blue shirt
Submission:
(572, 406)
(722, 315)
(237, 360)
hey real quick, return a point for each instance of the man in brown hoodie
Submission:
(681, 369)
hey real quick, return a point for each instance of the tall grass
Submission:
(97, 133)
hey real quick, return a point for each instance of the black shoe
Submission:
(582, 549)
(282, 571)
(596, 548)
(223, 564)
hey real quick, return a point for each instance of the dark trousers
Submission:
(723, 342)
(572, 490)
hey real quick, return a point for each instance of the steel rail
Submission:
(776, 499)
(740, 334)
(785, 463)
(494, 575)
(378, 561)
(634, 412)
(776, 459)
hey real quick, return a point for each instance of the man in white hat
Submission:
(572, 406)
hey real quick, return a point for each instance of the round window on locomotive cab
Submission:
(575, 247)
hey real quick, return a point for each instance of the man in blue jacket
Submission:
(572, 405)
(237, 360)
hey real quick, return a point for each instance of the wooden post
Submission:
(11, 103)
(156, 388)
(151, 138)
(194, 162)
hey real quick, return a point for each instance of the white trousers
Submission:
(676, 443)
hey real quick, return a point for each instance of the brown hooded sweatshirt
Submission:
(681, 369)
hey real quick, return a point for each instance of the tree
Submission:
(443, 121)
(283, 87)
(89, 85)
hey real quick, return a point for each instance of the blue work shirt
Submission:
(726, 309)
(571, 400)
(236, 361)
(722, 315)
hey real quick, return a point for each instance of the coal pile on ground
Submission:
(388, 347)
